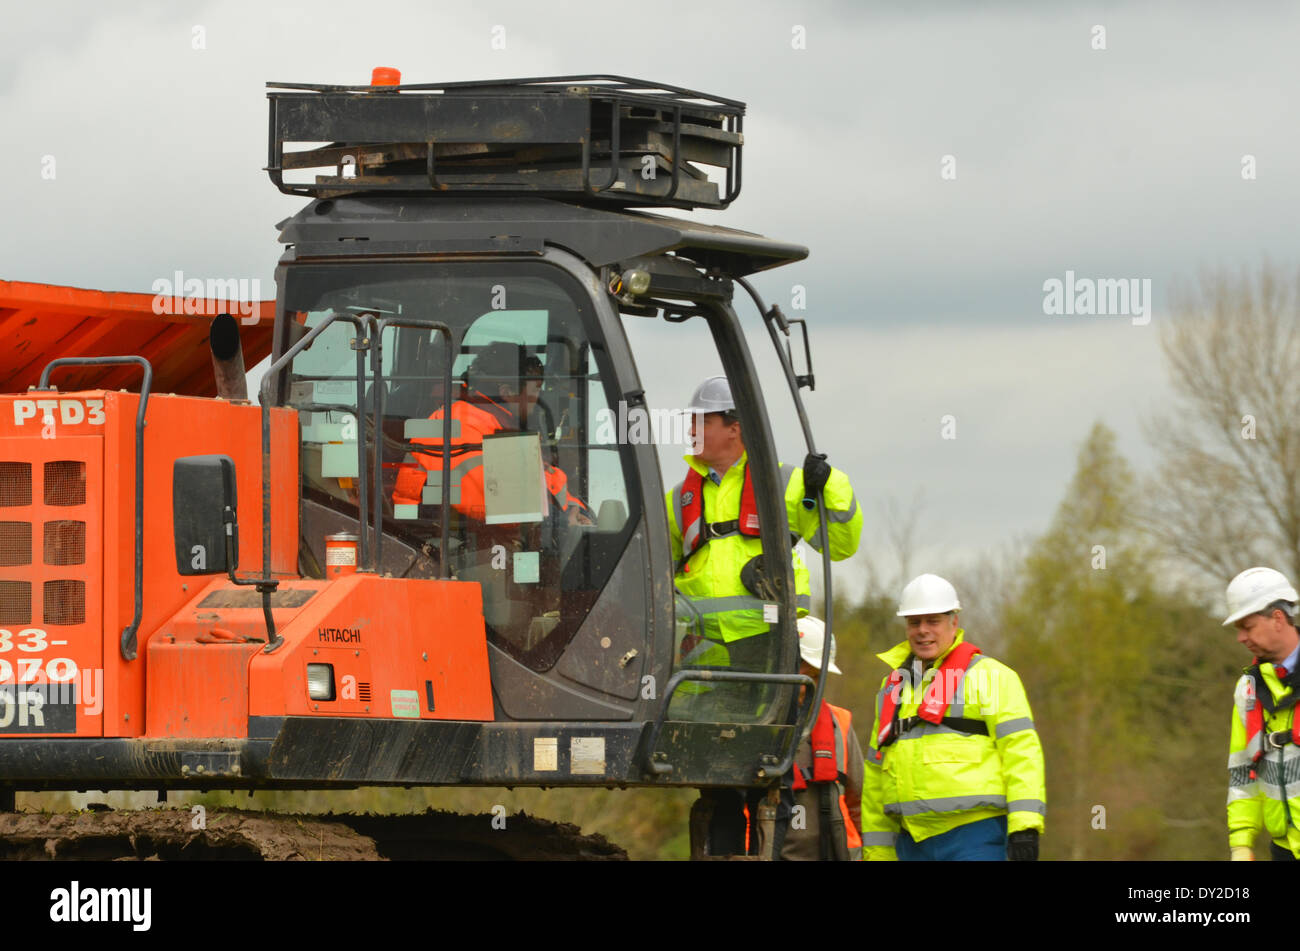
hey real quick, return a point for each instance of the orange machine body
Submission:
(396, 647)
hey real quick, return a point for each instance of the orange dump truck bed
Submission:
(45, 321)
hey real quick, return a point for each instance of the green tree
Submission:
(1118, 673)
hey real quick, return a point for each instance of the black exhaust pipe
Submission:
(228, 358)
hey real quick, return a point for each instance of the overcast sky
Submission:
(925, 292)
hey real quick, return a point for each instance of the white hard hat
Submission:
(712, 396)
(812, 635)
(928, 594)
(1255, 589)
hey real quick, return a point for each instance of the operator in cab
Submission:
(502, 386)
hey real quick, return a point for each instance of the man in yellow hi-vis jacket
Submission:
(1263, 755)
(954, 768)
(713, 525)
(714, 533)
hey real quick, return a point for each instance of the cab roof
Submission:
(383, 224)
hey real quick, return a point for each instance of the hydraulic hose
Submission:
(771, 318)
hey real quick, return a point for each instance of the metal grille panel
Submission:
(65, 482)
(65, 602)
(15, 483)
(15, 543)
(52, 562)
(65, 542)
(15, 602)
(363, 692)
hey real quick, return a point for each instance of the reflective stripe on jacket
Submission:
(937, 777)
(710, 577)
(1270, 798)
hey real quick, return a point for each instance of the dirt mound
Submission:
(234, 835)
(175, 834)
(452, 837)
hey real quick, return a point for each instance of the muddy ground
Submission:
(234, 835)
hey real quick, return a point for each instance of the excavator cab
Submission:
(468, 219)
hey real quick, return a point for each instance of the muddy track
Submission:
(236, 835)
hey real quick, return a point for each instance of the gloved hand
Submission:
(1022, 846)
(757, 581)
(816, 470)
(1241, 853)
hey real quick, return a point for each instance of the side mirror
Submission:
(203, 502)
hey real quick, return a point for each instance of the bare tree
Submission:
(1227, 492)
(900, 523)
(986, 585)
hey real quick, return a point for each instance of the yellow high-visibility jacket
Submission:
(934, 778)
(711, 577)
(1266, 800)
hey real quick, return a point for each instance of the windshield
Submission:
(541, 496)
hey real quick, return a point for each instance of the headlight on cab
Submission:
(320, 681)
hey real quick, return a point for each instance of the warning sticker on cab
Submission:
(587, 755)
(406, 703)
(546, 754)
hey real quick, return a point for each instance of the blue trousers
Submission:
(983, 841)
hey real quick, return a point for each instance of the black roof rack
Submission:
(589, 139)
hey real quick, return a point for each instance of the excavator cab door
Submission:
(541, 506)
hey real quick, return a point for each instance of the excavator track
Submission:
(103, 834)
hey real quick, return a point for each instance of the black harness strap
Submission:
(960, 724)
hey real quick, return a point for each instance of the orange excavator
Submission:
(199, 592)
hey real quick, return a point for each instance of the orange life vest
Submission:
(830, 761)
(471, 422)
(935, 703)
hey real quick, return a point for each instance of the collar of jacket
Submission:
(1276, 686)
(702, 469)
(897, 655)
(504, 416)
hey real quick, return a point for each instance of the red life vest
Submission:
(934, 705)
(830, 760)
(825, 768)
(692, 513)
(1254, 716)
